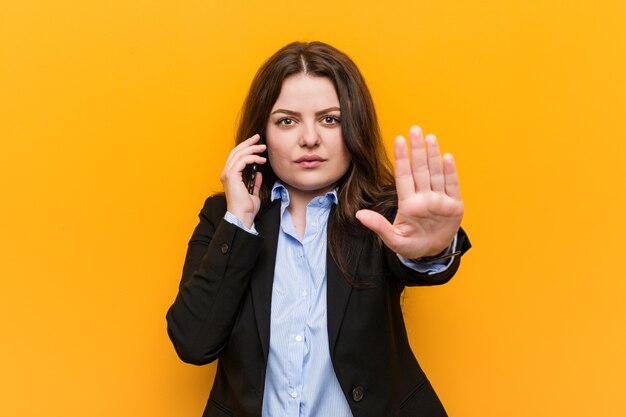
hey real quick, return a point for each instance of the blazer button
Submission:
(357, 393)
(224, 248)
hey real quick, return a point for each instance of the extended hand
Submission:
(429, 202)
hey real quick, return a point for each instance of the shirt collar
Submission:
(279, 191)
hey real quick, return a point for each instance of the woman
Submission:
(295, 287)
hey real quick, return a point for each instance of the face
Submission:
(304, 141)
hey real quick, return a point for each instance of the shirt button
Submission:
(303, 293)
(298, 338)
(321, 199)
(293, 393)
(224, 248)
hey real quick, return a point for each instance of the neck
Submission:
(298, 199)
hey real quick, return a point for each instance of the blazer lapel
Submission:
(268, 226)
(338, 290)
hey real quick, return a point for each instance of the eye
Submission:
(285, 121)
(331, 120)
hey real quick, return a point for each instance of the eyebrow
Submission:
(295, 113)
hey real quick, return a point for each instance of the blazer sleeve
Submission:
(409, 277)
(220, 258)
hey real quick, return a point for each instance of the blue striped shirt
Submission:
(300, 380)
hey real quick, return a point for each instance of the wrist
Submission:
(435, 253)
(441, 256)
(245, 218)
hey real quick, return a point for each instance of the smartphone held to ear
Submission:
(255, 167)
(253, 172)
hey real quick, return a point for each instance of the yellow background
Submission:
(116, 118)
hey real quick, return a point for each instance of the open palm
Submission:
(430, 208)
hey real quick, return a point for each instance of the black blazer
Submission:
(222, 311)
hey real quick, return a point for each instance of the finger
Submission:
(244, 161)
(419, 163)
(234, 171)
(379, 225)
(402, 171)
(451, 177)
(258, 180)
(252, 139)
(236, 154)
(244, 147)
(435, 166)
(246, 143)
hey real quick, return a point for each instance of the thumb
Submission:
(378, 224)
(258, 180)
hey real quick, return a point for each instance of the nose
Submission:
(309, 136)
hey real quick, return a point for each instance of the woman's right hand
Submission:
(239, 202)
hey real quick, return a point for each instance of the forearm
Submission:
(218, 268)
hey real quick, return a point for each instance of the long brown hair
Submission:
(368, 182)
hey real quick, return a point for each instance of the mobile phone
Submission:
(255, 167)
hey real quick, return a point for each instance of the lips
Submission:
(309, 158)
(310, 161)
